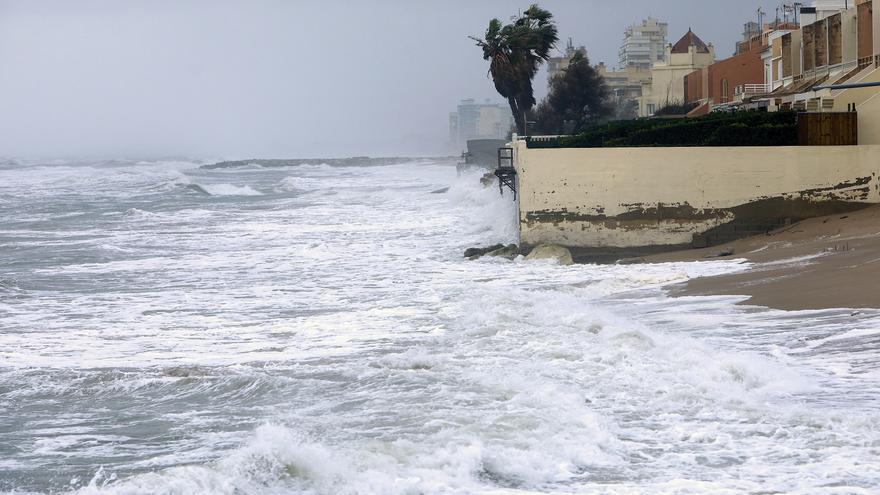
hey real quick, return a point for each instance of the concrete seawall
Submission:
(631, 201)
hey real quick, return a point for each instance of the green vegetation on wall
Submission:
(718, 129)
(676, 109)
(577, 98)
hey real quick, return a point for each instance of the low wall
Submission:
(635, 200)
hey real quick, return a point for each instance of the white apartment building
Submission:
(644, 45)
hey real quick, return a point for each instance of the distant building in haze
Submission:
(644, 45)
(474, 120)
(555, 65)
(625, 87)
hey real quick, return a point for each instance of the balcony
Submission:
(745, 90)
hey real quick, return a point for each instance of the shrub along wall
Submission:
(720, 129)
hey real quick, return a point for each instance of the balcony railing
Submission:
(751, 89)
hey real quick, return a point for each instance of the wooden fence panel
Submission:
(828, 129)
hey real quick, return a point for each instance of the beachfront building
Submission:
(474, 120)
(719, 83)
(666, 86)
(771, 57)
(726, 82)
(624, 86)
(644, 45)
(832, 42)
(751, 30)
(836, 43)
(556, 65)
(614, 201)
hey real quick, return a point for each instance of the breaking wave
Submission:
(169, 342)
(223, 190)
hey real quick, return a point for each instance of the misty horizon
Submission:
(228, 80)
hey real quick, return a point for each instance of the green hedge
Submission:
(721, 129)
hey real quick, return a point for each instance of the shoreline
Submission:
(829, 262)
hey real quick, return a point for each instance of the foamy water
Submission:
(314, 329)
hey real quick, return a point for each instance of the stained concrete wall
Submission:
(835, 39)
(866, 29)
(850, 35)
(654, 198)
(875, 25)
(867, 101)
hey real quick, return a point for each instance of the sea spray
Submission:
(329, 338)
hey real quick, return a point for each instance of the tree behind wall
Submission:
(577, 98)
(515, 51)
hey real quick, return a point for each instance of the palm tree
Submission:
(515, 52)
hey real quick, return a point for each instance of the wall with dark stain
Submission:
(648, 199)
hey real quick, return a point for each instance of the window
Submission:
(725, 91)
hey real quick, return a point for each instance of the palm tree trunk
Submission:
(518, 116)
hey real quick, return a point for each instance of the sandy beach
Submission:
(821, 263)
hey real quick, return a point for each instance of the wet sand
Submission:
(821, 263)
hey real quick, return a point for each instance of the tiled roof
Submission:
(688, 40)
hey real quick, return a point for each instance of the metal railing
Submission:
(751, 89)
(850, 66)
(506, 172)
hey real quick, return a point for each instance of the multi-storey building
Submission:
(474, 120)
(644, 45)
(836, 43)
(828, 63)
(625, 87)
(726, 81)
(555, 65)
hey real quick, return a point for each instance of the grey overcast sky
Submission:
(282, 78)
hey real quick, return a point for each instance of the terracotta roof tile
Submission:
(688, 40)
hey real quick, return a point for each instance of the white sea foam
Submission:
(342, 345)
(229, 190)
(299, 184)
(494, 218)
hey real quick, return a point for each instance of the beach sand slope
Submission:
(821, 263)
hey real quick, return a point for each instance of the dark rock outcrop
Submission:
(509, 251)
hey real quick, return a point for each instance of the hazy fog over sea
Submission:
(275, 78)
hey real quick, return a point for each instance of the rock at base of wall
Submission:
(510, 252)
(551, 252)
(488, 179)
(474, 253)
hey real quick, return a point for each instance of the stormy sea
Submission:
(312, 327)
